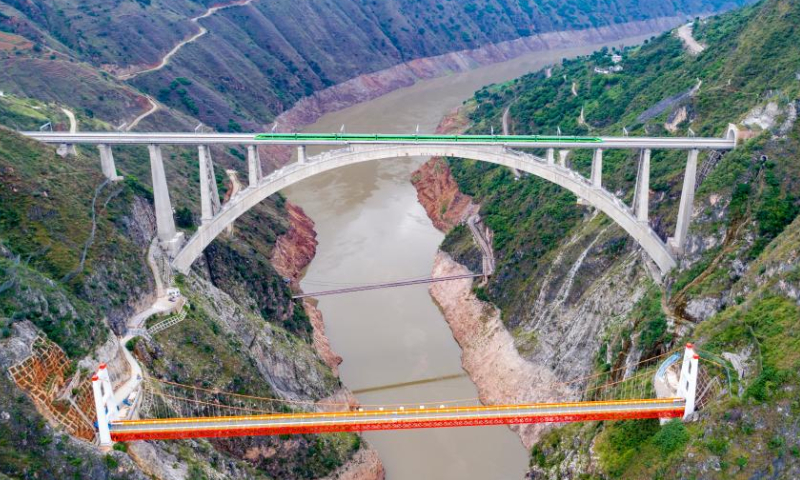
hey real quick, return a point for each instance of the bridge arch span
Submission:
(330, 160)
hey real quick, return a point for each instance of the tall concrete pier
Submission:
(171, 240)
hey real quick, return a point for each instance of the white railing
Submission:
(173, 320)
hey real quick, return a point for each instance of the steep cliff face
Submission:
(582, 289)
(438, 193)
(368, 86)
(364, 465)
(73, 269)
(488, 354)
(532, 362)
(437, 190)
(578, 296)
(293, 251)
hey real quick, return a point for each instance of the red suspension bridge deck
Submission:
(401, 418)
(168, 410)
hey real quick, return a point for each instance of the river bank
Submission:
(371, 228)
(488, 353)
(370, 86)
(293, 251)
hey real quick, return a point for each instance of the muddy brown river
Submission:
(371, 229)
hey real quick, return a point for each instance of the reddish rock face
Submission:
(437, 190)
(488, 352)
(321, 342)
(295, 249)
(438, 193)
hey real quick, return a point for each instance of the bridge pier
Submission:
(66, 150)
(597, 168)
(677, 242)
(103, 432)
(551, 156)
(596, 175)
(562, 157)
(209, 195)
(107, 163)
(254, 173)
(732, 134)
(301, 154)
(641, 198)
(170, 239)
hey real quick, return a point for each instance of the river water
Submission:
(371, 229)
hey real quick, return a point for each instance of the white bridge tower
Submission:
(687, 383)
(105, 404)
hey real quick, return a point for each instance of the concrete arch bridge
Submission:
(357, 148)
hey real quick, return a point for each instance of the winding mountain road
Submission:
(201, 31)
(153, 109)
(73, 124)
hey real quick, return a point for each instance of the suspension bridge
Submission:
(663, 387)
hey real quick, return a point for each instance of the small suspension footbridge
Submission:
(664, 387)
(479, 236)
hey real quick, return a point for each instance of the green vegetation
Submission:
(649, 318)
(29, 448)
(178, 87)
(54, 274)
(204, 351)
(620, 444)
(771, 322)
(745, 224)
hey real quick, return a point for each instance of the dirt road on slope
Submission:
(201, 31)
(692, 45)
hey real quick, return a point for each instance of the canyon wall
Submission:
(437, 190)
(488, 353)
(292, 253)
(541, 359)
(372, 85)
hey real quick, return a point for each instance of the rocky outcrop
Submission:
(438, 193)
(437, 190)
(295, 249)
(364, 465)
(488, 353)
(156, 462)
(321, 342)
(292, 369)
(292, 253)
